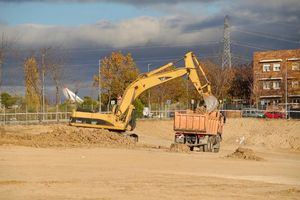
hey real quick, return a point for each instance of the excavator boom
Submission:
(120, 119)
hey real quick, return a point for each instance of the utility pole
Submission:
(286, 91)
(43, 83)
(226, 56)
(99, 85)
(149, 103)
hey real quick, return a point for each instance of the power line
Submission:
(270, 34)
(265, 35)
(249, 46)
(241, 58)
(260, 21)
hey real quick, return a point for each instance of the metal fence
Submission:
(57, 117)
(33, 118)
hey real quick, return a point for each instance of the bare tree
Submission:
(53, 59)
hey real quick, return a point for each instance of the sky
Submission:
(154, 31)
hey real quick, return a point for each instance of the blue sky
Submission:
(69, 14)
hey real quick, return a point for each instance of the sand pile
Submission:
(181, 148)
(244, 153)
(67, 136)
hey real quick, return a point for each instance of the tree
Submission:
(3, 47)
(139, 106)
(174, 90)
(221, 79)
(32, 84)
(54, 60)
(242, 83)
(8, 100)
(117, 72)
(89, 103)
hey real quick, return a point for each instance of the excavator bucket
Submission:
(211, 103)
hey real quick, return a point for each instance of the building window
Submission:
(295, 84)
(276, 101)
(276, 67)
(266, 67)
(276, 85)
(266, 85)
(295, 66)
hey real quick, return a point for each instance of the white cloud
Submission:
(131, 32)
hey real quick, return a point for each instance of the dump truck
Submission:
(200, 130)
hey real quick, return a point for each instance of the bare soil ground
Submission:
(60, 162)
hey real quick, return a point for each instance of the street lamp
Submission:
(149, 103)
(99, 85)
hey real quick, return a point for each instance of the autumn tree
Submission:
(172, 90)
(32, 84)
(117, 72)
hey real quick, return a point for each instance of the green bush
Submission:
(139, 106)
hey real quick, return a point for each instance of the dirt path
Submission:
(90, 172)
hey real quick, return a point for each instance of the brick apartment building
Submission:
(276, 75)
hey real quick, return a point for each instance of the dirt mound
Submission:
(182, 148)
(244, 153)
(267, 133)
(67, 136)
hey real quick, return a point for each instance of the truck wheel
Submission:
(191, 148)
(217, 141)
(210, 144)
(216, 150)
(205, 149)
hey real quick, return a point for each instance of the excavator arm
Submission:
(121, 114)
(156, 77)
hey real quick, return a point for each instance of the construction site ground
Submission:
(62, 162)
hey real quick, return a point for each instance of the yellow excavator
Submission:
(121, 118)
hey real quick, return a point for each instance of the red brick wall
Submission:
(258, 72)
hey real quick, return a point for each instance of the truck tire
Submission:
(210, 143)
(216, 145)
(191, 148)
(205, 149)
(216, 150)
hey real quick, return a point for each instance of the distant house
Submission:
(276, 77)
